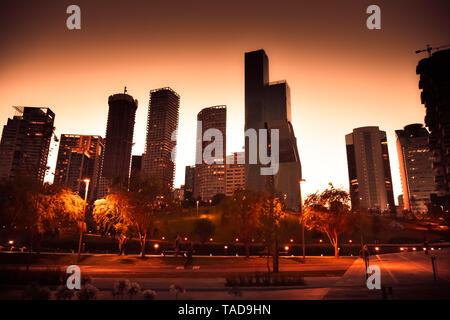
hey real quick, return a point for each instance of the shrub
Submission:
(87, 292)
(35, 292)
(121, 287)
(63, 293)
(134, 289)
(149, 294)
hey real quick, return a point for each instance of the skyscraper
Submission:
(80, 157)
(136, 169)
(415, 167)
(268, 106)
(189, 176)
(369, 170)
(162, 124)
(210, 178)
(25, 143)
(235, 173)
(119, 139)
(434, 81)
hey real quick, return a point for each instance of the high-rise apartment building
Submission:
(415, 168)
(369, 170)
(80, 157)
(119, 139)
(235, 173)
(162, 125)
(25, 143)
(434, 81)
(268, 106)
(136, 169)
(189, 178)
(210, 178)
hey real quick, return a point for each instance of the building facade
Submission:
(119, 139)
(25, 143)
(80, 157)
(210, 178)
(158, 159)
(434, 81)
(417, 176)
(235, 173)
(136, 169)
(268, 106)
(369, 170)
(189, 178)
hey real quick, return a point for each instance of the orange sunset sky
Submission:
(341, 74)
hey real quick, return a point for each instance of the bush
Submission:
(87, 292)
(149, 294)
(204, 228)
(260, 279)
(35, 292)
(63, 293)
(121, 287)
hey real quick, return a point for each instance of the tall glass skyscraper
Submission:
(119, 139)
(162, 124)
(268, 106)
(369, 170)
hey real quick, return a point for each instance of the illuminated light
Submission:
(237, 239)
(286, 248)
(401, 249)
(225, 247)
(210, 239)
(377, 249)
(156, 246)
(163, 238)
(350, 241)
(185, 238)
(253, 240)
(291, 240)
(320, 240)
(424, 249)
(414, 249)
(10, 241)
(432, 249)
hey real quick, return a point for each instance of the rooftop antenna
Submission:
(430, 49)
(125, 90)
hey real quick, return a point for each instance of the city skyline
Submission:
(333, 87)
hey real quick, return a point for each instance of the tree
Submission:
(329, 212)
(111, 213)
(244, 209)
(204, 229)
(272, 214)
(132, 211)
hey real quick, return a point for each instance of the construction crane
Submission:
(430, 49)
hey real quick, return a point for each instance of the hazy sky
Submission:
(341, 74)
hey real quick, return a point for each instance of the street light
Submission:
(302, 218)
(197, 208)
(82, 219)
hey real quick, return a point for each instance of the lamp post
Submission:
(302, 218)
(197, 207)
(82, 219)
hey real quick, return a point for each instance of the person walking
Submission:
(364, 254)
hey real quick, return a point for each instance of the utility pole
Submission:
(83, 218)
(302, 218)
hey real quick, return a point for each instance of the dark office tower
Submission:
(434, 81)
(268, 106)
(136, 169)
(119, 139)
(25, 143)
(210, 178)
(189, 175)
(80, 157)
(369, 170)
(162, 124)
(417, 175)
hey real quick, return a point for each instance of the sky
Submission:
(341, 74)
